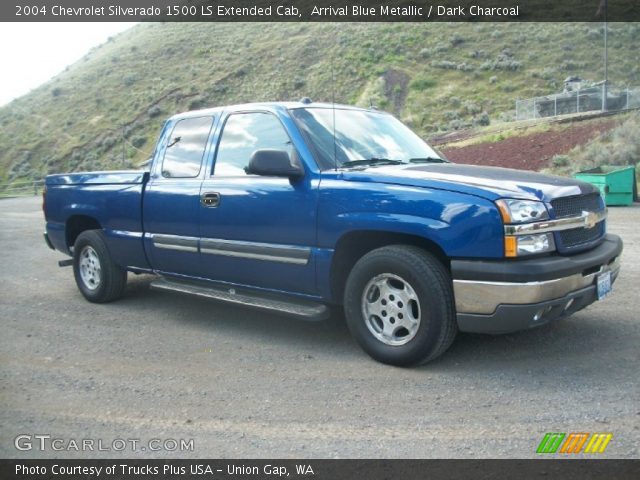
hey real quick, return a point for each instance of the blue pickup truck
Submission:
(299, 207)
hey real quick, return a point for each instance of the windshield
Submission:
(362, 138)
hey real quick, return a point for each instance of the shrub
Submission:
(456, 40)
(421, 83)
(451, 114)
(138, 141)
(444, 64)
(465, 67)
(471, 108)
(196, 103)
(129, 80)
(441, 47)
(502, 62)
(154, 111)
(482, 119)
(560, 160)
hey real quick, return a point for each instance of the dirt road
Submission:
(244, 384)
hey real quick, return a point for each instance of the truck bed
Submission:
(111, 201)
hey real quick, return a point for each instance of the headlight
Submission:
(518, 246)
(521, 211)
(524, 211)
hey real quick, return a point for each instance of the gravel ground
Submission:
(244, 384)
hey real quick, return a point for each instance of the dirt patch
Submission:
(395, 88)
(528, 152)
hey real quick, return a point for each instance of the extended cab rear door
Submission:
(172, 196)
(257, 230)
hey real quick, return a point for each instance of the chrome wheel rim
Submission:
(391, 309)
(90, 271)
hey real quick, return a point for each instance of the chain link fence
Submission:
(586, 100)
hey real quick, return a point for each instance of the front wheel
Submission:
(98, 277)
(399, 305)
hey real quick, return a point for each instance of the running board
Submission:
(307, 310)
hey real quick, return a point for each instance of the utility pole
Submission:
(606, 66)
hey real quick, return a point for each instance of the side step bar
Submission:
(299, 308)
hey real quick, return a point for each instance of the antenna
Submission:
(333, 108)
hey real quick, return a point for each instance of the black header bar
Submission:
(319, 10)
(124, 469)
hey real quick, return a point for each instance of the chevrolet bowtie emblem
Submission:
(590, 219)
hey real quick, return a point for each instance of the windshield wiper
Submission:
(372, 161)
(427, 160)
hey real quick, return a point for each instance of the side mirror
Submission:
(273, 163)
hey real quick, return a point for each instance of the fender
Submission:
(461, 225)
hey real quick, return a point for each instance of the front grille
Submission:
(578, 236)
(574, 206)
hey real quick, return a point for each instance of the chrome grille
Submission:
(574, 206)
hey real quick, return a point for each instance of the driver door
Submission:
(255, 230)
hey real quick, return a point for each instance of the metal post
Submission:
(626, 107)
(555, 105)
(123, 146)
(35, 188)
(535, 111)
(578, 100)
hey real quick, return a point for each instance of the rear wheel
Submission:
(399, 305)
(98, 278)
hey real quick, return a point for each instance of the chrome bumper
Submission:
(478, 297)
(501, 297)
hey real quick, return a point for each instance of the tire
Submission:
(399, 305)
(98, 278)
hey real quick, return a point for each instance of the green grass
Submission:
(142, 76)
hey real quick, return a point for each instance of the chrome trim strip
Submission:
(484, 297)
(182, 248)
(175, 242)
(586, 220)
(233, 248)
(257, 251)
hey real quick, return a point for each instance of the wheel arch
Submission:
(352, 246)
(76, 224)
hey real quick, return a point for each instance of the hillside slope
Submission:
(531, 148)
(436, 77)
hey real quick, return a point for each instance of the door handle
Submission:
(210, 199)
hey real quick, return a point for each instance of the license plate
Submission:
(604, 285)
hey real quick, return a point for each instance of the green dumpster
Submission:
(616, 183)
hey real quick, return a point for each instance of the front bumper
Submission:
(507, 296)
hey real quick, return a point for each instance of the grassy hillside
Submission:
(436, 77)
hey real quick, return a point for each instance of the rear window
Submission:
(185, 147)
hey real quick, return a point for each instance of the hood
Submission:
(486, 182)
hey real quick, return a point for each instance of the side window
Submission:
(243, 134)
(185, 148)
